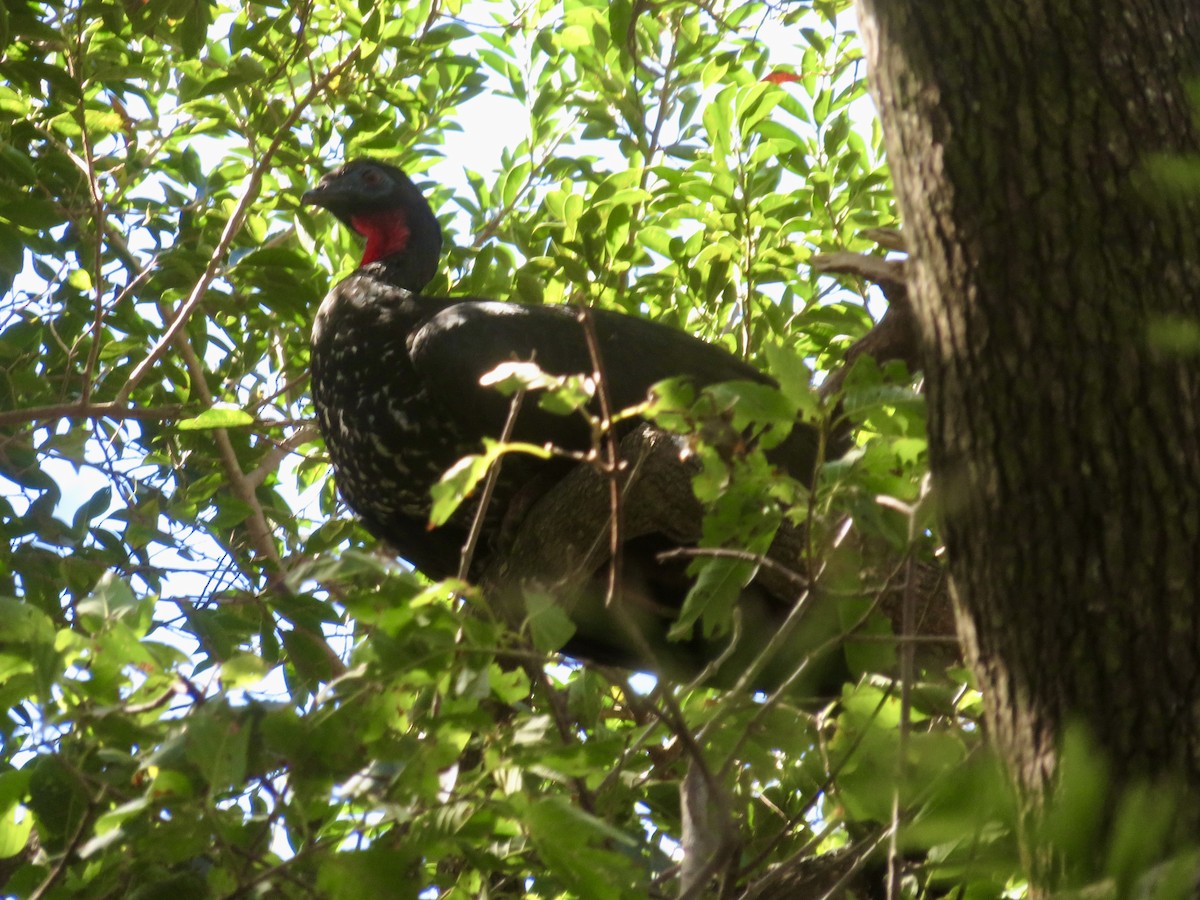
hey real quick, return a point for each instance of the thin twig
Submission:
(60, 864)
(180, 686)
(489, 229)
(713, 666)
(780, 692)
(283, 391)
(758, 559)
(98, 218)
(135, 282)
(535, 669)
(859, 862)
(489, 487)
(243, 489)
(907, 626)
(716, 793)
(831, 775)
(610, 465)
(900, 640)
(649, 152)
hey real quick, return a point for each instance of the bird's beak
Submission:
(314, 196)
(332, 192)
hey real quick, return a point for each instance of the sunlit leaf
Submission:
(217, 417)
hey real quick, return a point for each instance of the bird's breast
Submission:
(388, 438)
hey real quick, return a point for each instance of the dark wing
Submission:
(455, 347)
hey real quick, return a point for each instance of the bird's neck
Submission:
(387, 233)
(404, 256)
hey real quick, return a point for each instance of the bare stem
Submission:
(489, 488)
(611, 458)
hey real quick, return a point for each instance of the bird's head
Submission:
(382, 204)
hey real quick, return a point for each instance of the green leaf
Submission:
(217, 744)
(15, 826)
(95, 507)
(112, 599)
(718, 123)
(549, 625)
(57, 800)
(572, 843)
(511, 687)
(219, 416)
(375, 872)
(464, 476)
(456, 485)
(107, 829)
(21, 623)
(243, 670)
(795, 380)
(712, 598)
(310, 655)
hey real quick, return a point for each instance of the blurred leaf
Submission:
(220, 416)
(572, 843)
(713, 597)
(549, 626)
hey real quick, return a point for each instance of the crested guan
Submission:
(395, 383)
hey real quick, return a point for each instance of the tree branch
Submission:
(895, 335)
(81, 410)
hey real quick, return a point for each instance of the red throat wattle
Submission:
(386, 233)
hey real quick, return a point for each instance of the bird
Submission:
(395, 376)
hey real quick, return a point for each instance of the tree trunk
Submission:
(1056, 285)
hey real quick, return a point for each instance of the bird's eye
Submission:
(371, 177)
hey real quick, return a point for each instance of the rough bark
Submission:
(1048, 260)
